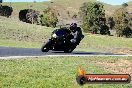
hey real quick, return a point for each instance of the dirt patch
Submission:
(119, 66)
(122, 51)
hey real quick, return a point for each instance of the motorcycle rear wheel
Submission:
(69, 50)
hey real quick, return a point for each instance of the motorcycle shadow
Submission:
(86, 53)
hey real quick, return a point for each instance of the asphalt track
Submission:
(36, 52)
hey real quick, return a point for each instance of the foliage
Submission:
(1, 1)
(127, 31)
(32, 16)
(49, 18)
(93, 17)
(124, 4)
(94, 29)
(111, 22)
(104, 30)
(122, 22)
(5, 10)
(29, 16)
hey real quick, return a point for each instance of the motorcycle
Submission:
(60, 41)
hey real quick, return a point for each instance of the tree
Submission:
(93, 17)
(34, 1)
(124, 5)
(5, 10)
(49, 18)
(122, 22)
(1, 1)
(127, 31)
(111, 22)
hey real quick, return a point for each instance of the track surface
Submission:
(31, 52)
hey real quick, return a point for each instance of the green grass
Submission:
(17, 6)
(18, 34)
(20, 44)
(104, 43)
(53, 72)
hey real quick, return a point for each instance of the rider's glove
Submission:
(73, 40)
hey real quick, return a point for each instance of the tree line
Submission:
(95, 21)
(47, 18)
(92, 14)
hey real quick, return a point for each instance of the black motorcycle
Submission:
(60, 41)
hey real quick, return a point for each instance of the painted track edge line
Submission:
(18, 57)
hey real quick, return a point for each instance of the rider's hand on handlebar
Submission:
(73, 40)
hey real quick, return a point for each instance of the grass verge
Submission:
(54, 72)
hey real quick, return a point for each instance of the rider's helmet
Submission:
(73, 27)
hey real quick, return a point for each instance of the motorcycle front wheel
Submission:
(46, 47)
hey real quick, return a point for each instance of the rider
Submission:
(76, 32)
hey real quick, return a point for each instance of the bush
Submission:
(94, 29)
(93, 17)
(127, 32)
(29, 16)
(122, 22)
(6, 11)
(104, 30)
(49, 18)
(111, 22)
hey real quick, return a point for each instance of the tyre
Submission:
(45, 47)
(69, 50)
